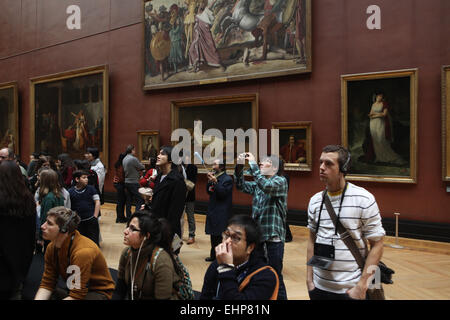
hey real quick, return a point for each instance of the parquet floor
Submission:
(422, 267)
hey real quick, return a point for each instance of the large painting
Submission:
(69, 112)
(446, 123)
(202, 114)
(379, 125)
(194, 42)
(295, 144)
(9, 120)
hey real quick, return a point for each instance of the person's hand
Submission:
(211, 177)
(224, 252)
(250, 157)
(357, 293)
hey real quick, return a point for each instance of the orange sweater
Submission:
(84, 254)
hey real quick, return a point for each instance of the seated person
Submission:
(240, 271)
(75, 258)
(147, 263)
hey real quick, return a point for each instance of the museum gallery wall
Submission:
(336, 42)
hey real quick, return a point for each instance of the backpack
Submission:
(183, 287)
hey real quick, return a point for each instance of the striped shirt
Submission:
(269, 204)
(361, 217)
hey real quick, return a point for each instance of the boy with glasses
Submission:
(240, 271)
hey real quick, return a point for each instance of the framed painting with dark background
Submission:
(446, 123)
(69, 112)
(216, 113)
(9, 119)
(196, 42)
(379, 125)
(148, 145)
(295, 144)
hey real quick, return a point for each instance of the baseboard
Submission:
(407, 228)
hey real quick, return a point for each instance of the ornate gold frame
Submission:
(413, 75)
(146, 133)
(13, 85)
(446, 123)
(104, 70)
(307, 125)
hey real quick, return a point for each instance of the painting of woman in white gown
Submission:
(379, 126)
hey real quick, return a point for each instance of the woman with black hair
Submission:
(169, 193)
(119, 184)
(18, 221)
(147, 267)
(66, 168)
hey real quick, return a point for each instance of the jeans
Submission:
(215, 241)
(191, 218)
(122, 200)
(132, 189)
(275, 253)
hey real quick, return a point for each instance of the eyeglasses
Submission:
(234, 237)
(133, 228)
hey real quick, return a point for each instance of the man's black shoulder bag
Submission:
(386, 273)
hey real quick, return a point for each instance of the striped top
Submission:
(361, 217)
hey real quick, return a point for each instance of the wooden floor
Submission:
(422, 268)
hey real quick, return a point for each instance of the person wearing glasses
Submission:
(74, 258)
(147, 268)
(269, 189)
(240, 271)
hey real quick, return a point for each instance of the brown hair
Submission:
(62, 216)
(49, 182)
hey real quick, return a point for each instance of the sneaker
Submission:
(209, 259)
(190, 240)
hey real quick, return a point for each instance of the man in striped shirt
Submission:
(358, 212)
(269, 190)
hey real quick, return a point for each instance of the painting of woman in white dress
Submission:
(381, 132)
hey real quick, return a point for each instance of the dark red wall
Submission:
(34, 41)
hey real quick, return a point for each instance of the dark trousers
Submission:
(90, 229)
(135, 196)
(122, 201)
(62, 293)
(275, 253)
(318, 294)
(215, 241)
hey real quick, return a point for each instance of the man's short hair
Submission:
(79, 173)
(94, 151)
(277, 162)
(62, 216)
(344, 158)
(11, 155)
(251, 227)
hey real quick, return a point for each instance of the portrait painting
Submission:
(148, 145)
(195, 42)
(379, 125)
(446, 123)
(295, 144)
(9, 120)
(203, 114)
(69, 113)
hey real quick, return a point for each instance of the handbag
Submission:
(386, 272)
(189, 184)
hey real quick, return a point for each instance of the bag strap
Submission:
(247, 279)
(343, 232)
(155, 255)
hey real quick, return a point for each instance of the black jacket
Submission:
(17, 241)
(169, 198)
(191, 174)
(219, 205)
(260, 287)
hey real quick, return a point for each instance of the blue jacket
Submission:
(219, 206)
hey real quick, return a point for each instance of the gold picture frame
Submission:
(9, 124)
(298, 156)
(143, 150)
(446, 123)
(215, 113)
(191, 43)
(69, 111)
(379, 125)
